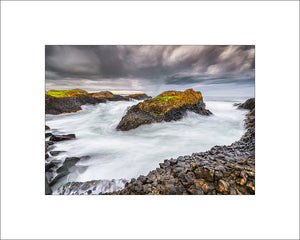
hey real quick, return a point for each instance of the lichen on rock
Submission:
(167, 106)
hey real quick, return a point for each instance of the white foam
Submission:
(117, 154)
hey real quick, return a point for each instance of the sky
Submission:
(215, 70)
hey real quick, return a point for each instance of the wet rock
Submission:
(92, 187)
(223, 186)
(249, 104)
(57, 138)
(48, 190)
(207, 187)
(48, 135)
(138, 96)
(73, 102)
(208, 174)
(170, 189)
(194, 191)
(55, 153)
(48, 166)
(57, 177)
(164, 107)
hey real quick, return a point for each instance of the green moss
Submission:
(157, 112)
(65, 93)
(170, 99)
(165, 98)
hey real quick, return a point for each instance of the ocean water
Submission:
(117, 154)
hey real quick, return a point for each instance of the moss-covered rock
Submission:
(65, 93)
(167, 106)
(66, 101)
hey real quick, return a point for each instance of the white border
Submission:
(27, 213)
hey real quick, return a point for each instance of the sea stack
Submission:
(167, 106)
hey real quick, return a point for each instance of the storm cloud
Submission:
(148, 68)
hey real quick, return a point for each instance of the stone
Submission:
(48, 135)
(141, 96)
(208, 174)
(55, 153)
(57, 138)
(57, 177)
(48, 166)
(223, 186)
(207, 187)
(48, 190)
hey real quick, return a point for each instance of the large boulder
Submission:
(168, 106)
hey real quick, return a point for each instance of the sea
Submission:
(117, 154)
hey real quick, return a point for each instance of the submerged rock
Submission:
(48, 190)
(168, 106)
(57, 138)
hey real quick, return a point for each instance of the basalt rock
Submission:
(91, 187)
(249, 104)
(48, 190)
(141, 96)
(168, 106)
(73, 103)
(57, 138)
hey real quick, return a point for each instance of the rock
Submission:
(168, 106)
(70, 161)
(170, 189)
(57, 138)
(48, 166)
(207, 187)
(48, 135)
(55, 153)
(223, 186)
(73, 103)
(48, 190)
(48, 146)
(140, 96)
(249, 104)
(68, 165)
(57, 177)
(208, 174)
(46, 127)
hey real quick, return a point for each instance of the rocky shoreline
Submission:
(223, 170)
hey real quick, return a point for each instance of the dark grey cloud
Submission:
(142, 66)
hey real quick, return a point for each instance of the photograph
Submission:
(150, 119)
